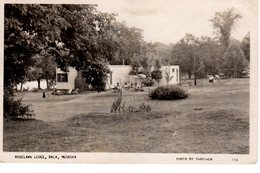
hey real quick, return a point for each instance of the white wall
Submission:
(72, 74)
(32, 85)
(175, 75)
(120, 74)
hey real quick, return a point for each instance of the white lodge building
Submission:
(119, 75)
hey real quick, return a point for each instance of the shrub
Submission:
(14, 108)
(118, 106)
(35, 89)
(144, 107)
(170, 92)
(147, 82)
(157, 75)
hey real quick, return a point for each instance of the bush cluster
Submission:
(170, 92)
(118, 107)
(142, 107)
(148, 82)
(14, 108)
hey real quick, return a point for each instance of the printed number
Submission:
(234, 160)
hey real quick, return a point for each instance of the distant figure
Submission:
(222, 75)
(126, 86)
(117, 88)
(131, 85)
(43, 94)
(117, 85)
(217, 78)
(211, 79)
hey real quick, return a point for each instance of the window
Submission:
(62, 77)
(173, 70)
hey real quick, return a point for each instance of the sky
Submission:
(167, 21)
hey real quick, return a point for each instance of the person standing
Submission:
(217, 78)
(211, 79)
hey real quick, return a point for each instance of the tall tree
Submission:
(235, 61)
(76, 35)
(184, 54)
(90, 42)
(211, 55)
(27, 30)
(157, 72)
(246, 46)
(147, 57)
(224, 23)
(129, 41)
(167, 75)
(49, 70)
(163, 52)
(135, 65)
(44, 69)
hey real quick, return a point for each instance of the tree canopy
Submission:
(44, 69)
(76, 35)
(157, 72)
(224, 23)
(184, 52)
(235, 60)
(129, 41)
(246, 46)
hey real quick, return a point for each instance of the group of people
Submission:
(213, 79)
(132, 86)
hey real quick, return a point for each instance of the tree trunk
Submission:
(47, 83)
(123, 61)
(39, 84)
(21, 87)
(190, 75)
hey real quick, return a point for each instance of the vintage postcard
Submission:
(129, 81)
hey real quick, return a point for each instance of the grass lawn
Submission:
(213, 119)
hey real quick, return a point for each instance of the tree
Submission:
(245, 46)
(146, 65)
(157, 73)
(211, 56)
(235, 61)
(157, 64)
(27, 30)
(184, 54)
(167, 76)
(224, 22)
(44, 69)
(163, 52)
(75, 35)
(48, 67)
(90, 41)
(36, 75)
(135, 67)
(129, 42)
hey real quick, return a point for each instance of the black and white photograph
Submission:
(127, 81)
